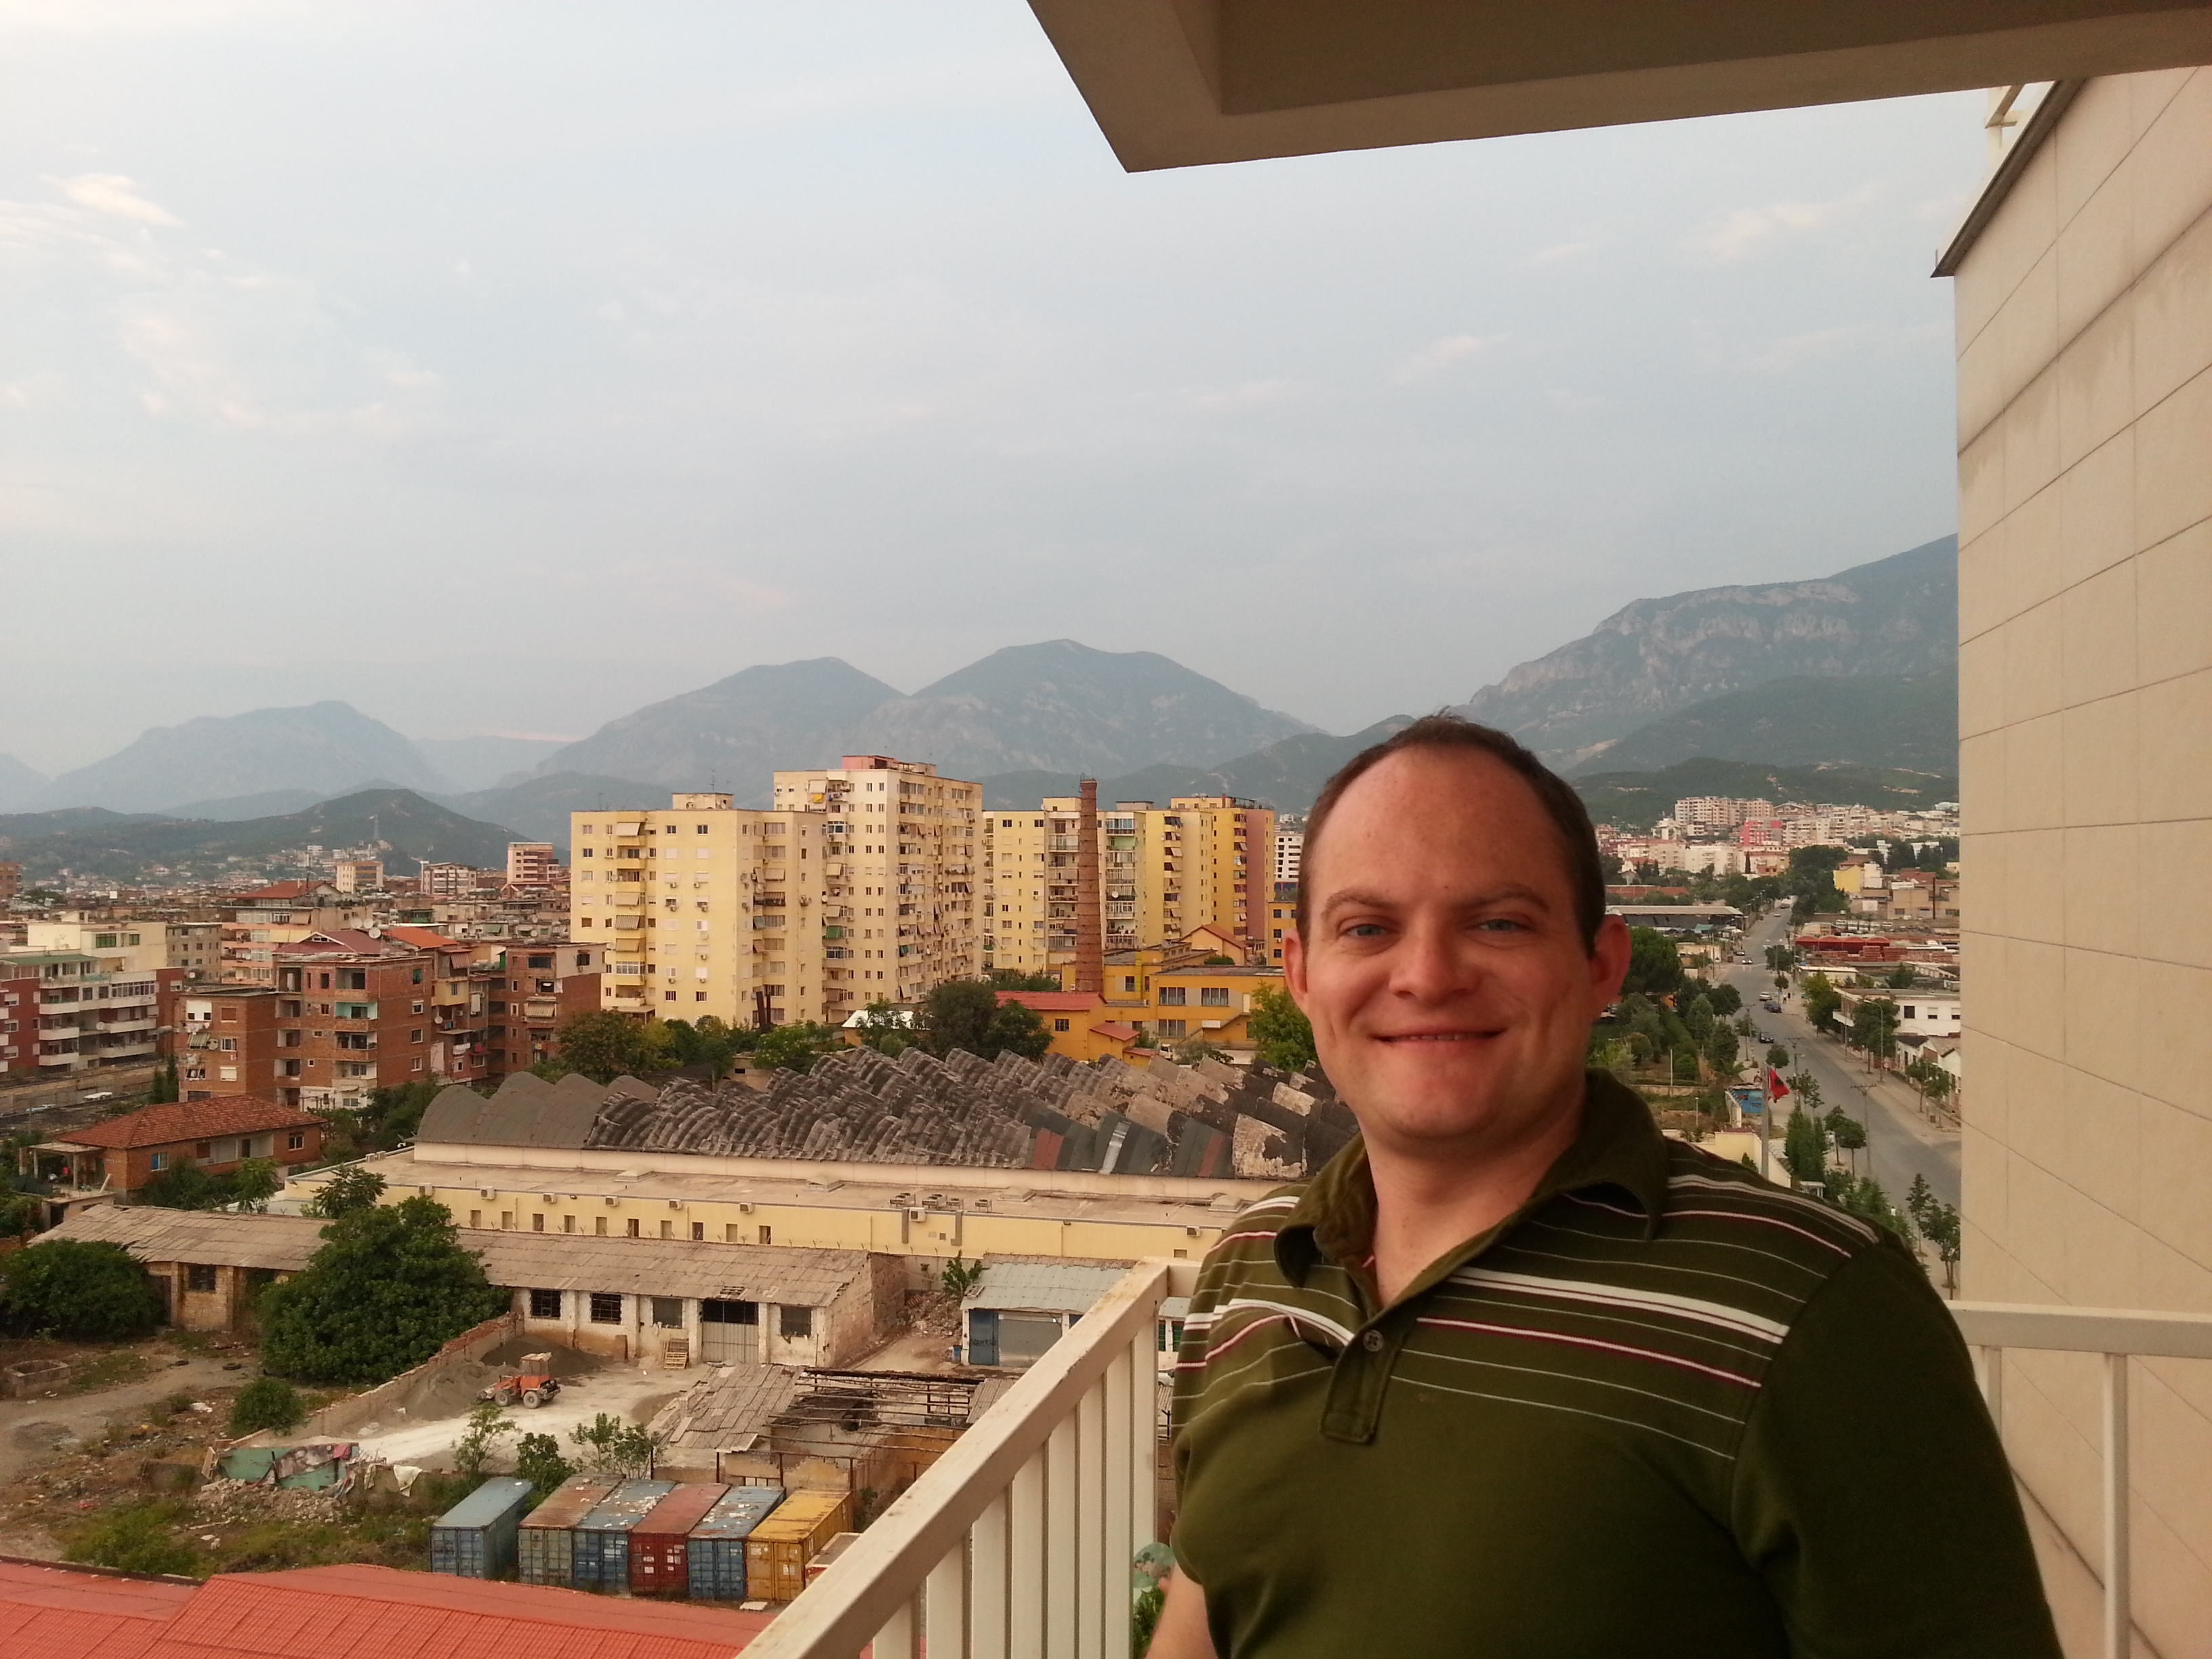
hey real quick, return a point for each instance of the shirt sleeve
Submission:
(1871, 1492)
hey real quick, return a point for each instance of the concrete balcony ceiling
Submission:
(1183, 82)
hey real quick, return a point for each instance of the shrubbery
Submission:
(79, 1289)
(266, 1403)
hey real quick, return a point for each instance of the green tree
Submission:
(78, 1289)
(1721, 1052)
(884, 1029)
(1873, 1027)
(488, 1420)
(966, 1013)
(709, 1042)
(1654, 966)
(1805, 1147)
(1281, 1034)
(389, 1287)
(538, 1460)
(607, 1445)
(795, 1047)
(254, 1182)
(1726, 999)
(19, 1213)
(184, 1186)
(1012, 979)
(602, 1045)
(1777, 1056)
(1939, 1225)
(266, 1402)
(1822, 1000)
(1696, 1014)
(1194, 1050)
(1917, 1198)
(1903, 977)
(347, 1191)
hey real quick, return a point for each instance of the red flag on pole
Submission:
(1776, 1088)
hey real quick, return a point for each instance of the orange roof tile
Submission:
(192, 1120)
(53, 1612)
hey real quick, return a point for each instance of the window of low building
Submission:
(1213, 996)
(1173, 996)
(795, 1322)
(1172, 1028)
(158, 1161)
(668, 1312)
(607, 1309)
(200, 1278)
(545, 1304)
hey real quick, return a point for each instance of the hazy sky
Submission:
(502, 367)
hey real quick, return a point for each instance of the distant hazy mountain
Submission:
(1284, 775)
(1055, 706)
(1061, 706)
(539, 807)
(263, 803)
(1909, 720)
(324, 747)
(20, 787)
(484, 762)
(1637, 800)
(130, 849)
(733, 734)
(1898, 616)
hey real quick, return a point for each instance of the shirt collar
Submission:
(1617, 1145)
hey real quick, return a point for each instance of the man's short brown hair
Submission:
(1452, 733)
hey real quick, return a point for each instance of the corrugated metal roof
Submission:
(541, 1261)
(486, 1504)
(718, 1413)
(1043, 1286)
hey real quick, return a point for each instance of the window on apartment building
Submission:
(698, 1231)
(599, 1226)
(1172, 1028)
(668, 1312)
(1129, 981)
(537, 1224)
(200, 1276)
(507, 1221)
(629, 1228)
(795, 1322)
(1213, 996)
(767, 1234)
(607, 1309)
(545, 1304)
(1173, 996)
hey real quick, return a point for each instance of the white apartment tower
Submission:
(707, 908)
(905, 849)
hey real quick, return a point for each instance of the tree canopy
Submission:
(1279, 1030)
(389, 1286)
(966, 1013)
(1654, 966)
(79, 1289)
(795, 1047)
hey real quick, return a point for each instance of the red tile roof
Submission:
(378, 1613)
(1115, 1029)
(423, 939)
(50, 1612)
(192, 1120)
(1052, 1002)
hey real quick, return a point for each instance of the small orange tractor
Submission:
(533, 1385)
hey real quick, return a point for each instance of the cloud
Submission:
(1561, 253)
(1779, 356)
(1440, 356)
(1748, 230)
(112, 193)
(1250, 394)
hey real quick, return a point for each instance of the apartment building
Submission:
(1719, 811)
(230, 1043)
(532, 864)
(64, 1011)
(11, 882)
(533, 988)
(705, 908)
(1240, 837)
(907, 849)
(1290, 853)
(450, 881)
(358, 876)
(356, 1013)
(196, 947)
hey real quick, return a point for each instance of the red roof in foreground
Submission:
(192, 1120)
(428, 938)
(51, 1612)
(1115, 1029)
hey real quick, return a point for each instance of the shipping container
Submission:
(545, 1544)
(830, 1551)
(475, 1539)
(779, 1549)
(659, 1547)
(716, 1554)
(603, 1536)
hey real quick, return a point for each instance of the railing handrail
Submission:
(859, 1592)
(2138, 1331)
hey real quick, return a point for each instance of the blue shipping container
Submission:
(475, 1539)
(716, 1555)
(602, 1549)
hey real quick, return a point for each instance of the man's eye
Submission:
(1501, 925)
(1364, 930)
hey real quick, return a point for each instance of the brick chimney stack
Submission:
(1089, 935)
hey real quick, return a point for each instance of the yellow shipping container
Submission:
(778, 1550)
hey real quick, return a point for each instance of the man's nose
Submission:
(1427, 966)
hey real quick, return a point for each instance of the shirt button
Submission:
(1372, 1342)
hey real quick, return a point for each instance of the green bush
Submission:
(538, 1460)
(78, 1289)
(136, 1538)
(266, 1403)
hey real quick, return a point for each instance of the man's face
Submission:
(1450, 992)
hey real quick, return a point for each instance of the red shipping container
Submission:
(660, 1544)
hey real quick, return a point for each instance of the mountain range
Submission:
(1898, 616)
(1856, 669)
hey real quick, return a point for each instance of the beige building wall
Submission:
(1016, 848)
(905, 848)
(707, 908)
(2085, 420)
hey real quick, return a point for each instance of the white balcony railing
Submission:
(1019, 1541)
(2118, 1334)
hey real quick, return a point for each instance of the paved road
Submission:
(1900, 1143)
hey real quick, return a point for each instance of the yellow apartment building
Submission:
(708, 908)
(1029, 866)
(905, 849)
(1240, 846)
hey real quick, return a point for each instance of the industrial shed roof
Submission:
(1044, 1286)
(543, 1261)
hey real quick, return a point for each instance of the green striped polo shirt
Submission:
(1664, 1409)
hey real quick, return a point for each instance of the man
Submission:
(1514, 1376)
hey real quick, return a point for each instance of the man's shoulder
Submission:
(1709, 1197)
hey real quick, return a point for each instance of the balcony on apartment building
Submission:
(1021, 1540)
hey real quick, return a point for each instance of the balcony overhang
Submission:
(1185, 82)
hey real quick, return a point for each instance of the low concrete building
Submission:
(119, 1157)
(674, 1302)
(1017, 1310)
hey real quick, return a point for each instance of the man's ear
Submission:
(1294, 967)
(1608, 960)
